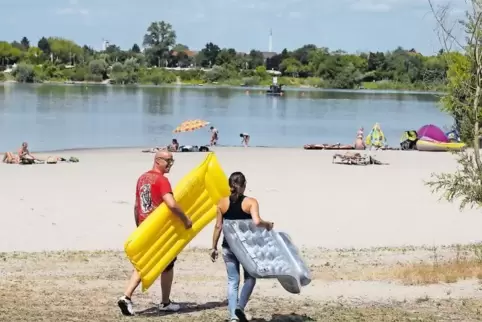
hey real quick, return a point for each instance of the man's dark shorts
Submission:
(171, 264)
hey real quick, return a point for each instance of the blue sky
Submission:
(350, 25)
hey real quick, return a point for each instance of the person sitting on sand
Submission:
(359, 143)
(24, 152)
(24, 156)
(174, 146)
(236, 207)
(245, 139)
(214, 135)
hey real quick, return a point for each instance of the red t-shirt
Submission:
(151, 187)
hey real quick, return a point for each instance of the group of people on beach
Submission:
(24, 156)
(156, 188)
(215, 137)
(176, 147)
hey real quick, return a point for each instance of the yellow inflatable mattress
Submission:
(162, 236)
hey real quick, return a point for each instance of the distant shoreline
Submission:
(254, 87)
(140, 148)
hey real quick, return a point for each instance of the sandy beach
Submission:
(89, 205)
(364, 231)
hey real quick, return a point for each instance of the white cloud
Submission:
(371, 5)
(72, 9)
(389, 5)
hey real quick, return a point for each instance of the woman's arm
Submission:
(254, 210)
(217, 228)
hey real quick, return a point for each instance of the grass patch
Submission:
(84, 286)
(447, 272)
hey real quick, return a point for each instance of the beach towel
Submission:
(376, 137)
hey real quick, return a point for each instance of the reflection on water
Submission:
(76, 116)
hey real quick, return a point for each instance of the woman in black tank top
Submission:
(236, 207)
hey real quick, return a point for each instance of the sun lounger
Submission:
(351, 158)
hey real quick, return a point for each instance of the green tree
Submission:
(24, 73)
(98, 68)
(25, 43)
(225, 57)
(44, 45)
(255, 59)
(464, 101)
(34, 55)
(64, 51)
(8, 53)
(135, 49)
(290, 66)
(208, 55)
(159, 40)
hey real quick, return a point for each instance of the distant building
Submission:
(189, 53)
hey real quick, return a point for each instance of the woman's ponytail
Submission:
(237, 183)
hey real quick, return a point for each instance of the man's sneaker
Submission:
(171, 307)
(125, 305)
(240, 314)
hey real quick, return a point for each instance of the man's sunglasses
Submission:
(169, 161)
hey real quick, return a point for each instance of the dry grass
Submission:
(63, 301)
(84, 286)
(447, 272)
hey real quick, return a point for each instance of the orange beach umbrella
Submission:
(190, 125)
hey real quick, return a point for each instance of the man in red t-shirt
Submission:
(152, 189)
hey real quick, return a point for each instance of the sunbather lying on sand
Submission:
(11, 158)
(24, 156)
(326, 146)
(356, 158)
(173, 147)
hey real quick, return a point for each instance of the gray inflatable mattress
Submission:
(267, 254)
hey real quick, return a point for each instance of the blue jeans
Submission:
(233, 270)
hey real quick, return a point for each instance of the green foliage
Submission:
(98, 67)
(465, 184)
(308, 65)
(3, 77)
(24, 73)
(158, 76)
(463, 100)
(459, 99)
(190, 75)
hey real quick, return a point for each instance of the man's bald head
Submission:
(163, 161)
(163, 154)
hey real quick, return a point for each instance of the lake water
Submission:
(54, 117)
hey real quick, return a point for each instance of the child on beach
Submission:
(245, 139)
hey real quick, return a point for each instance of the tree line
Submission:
(61, 59)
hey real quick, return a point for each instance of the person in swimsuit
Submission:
(236, 207)
(245, 139)
(214, 135)
(174, 146)
(23, 154)
(359, 143)
(11, 158)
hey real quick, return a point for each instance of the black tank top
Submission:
(235, 212)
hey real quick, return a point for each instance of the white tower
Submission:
(105, 44)
(270, 45)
